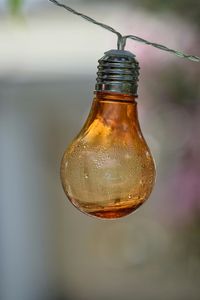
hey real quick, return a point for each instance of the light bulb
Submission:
(108, 171)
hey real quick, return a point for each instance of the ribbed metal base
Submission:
(118, 72)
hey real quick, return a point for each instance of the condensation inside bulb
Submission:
(108, 170)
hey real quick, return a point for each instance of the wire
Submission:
(121, 42)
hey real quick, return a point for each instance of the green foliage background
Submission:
(15, 6)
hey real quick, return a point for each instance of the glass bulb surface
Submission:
(108, 171)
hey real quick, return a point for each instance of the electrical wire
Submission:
(121, 42)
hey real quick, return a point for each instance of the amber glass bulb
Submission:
(108, 170)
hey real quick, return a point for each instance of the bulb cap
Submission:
(118, 72)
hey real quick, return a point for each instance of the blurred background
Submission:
(48, 61)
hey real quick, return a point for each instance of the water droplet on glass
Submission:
(147, 154)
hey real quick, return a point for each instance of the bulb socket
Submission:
(118, 72)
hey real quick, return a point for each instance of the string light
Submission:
(108, 170)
